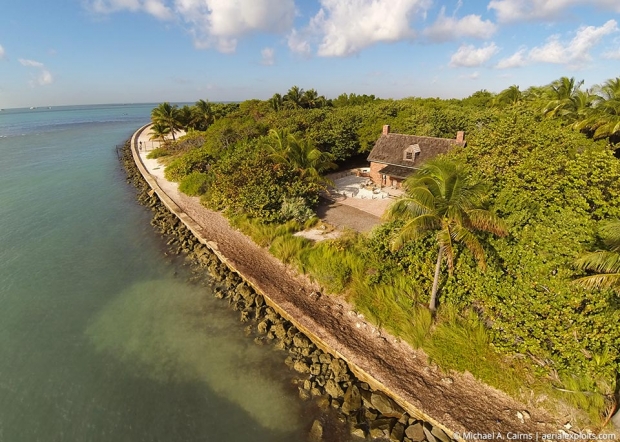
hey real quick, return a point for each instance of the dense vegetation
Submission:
(542, 311)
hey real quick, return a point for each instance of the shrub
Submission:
(295, 208)
(194, 184)
(158, 153)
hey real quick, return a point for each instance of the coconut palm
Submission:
(203, 115)
(294, 97)
(301, 155)
(167, 115)
(603, 119)
(606, 263)
(566, 99)
(159, 132)
(509, 96)
(276, 102)
(441, 197)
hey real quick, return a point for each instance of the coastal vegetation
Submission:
(529, 302)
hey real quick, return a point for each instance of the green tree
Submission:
(202, 114)
(606, 263)
(509, 96)
(276, 102)
(167, 115)
(159, 132)
(294, 97)
(567, 99)
(300, 155)
(602, 120)
(441, 197)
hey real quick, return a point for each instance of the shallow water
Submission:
(101, 336)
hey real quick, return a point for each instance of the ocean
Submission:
(102, 335)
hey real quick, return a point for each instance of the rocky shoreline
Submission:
(321, 377)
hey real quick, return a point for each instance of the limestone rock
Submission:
(333, 389)
(385, 405)
(301, 367)
(316, 432)
(352, 400)
(398, 432)
(440, 434)
(415, 432)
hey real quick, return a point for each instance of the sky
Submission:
(64, 52)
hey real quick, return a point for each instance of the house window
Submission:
(411, 152)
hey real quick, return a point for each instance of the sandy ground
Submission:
(457, 401)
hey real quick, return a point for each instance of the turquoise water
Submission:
(101, 336)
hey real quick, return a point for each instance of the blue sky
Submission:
(120, 51)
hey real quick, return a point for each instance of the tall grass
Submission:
(288, 248)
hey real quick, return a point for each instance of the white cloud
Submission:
(345, 27)
(472, 76)
(30, 63)
(577, 51)
(470, 56)
(43, 78)
(516, 60)
(268, 56)
(2, 53)
(549, 10)
(212, 23)
(450, 28)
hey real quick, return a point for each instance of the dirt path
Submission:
(456, 401)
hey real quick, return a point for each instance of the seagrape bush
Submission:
(552, 186)
(246, 181)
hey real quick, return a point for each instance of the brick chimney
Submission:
(386, 129)
(460, 136)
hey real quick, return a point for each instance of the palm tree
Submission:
(293, 97)
(302, 156)
(509, 96)
(276, 102)
(168, 116)
(566, 99)
(442, 198)
(203, 115)
(603, 119)
(606, 263)
(158, 132)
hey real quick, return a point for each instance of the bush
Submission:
(297, 209)
(194, 184)
(158, 153)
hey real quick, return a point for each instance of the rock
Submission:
(370, 415)
(323, 402)
(315, 391)
(315, 370)
(262, 327)
(415, 432)
(427, 432)
(279, 330)
(325, 358)
(301, 367)
(307, 385)
(316, 432)
(352, 400)
(339, 368)
(398, 432)
(377, 433)
(358, 432)
(333, 389)
(440, 434)
(385, 405)
(304, 395)
(301, 341)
